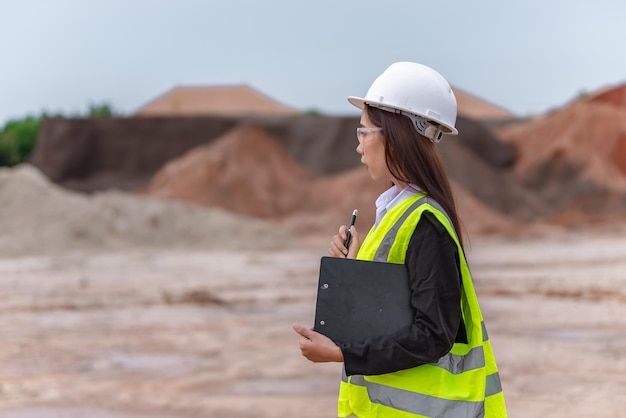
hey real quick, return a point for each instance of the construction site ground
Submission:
(182, 333)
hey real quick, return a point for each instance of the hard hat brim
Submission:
(360, 103)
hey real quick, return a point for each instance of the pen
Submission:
(348, 235)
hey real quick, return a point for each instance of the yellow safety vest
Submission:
(463, 383)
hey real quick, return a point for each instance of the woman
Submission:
(442, 365)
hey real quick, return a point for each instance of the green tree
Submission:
(17, 140)
(101, 110)
(18, 136)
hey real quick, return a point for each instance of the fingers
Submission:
(305, 343)
(304, 332)
(336, 247)
(317, 347)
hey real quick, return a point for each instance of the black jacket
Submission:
(432, 261)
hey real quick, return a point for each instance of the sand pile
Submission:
(575, 156)
(589, 138)
(615, 96)
(247, 171)
(38, 217)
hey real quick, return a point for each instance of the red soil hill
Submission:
(245, 171)
(575, 156)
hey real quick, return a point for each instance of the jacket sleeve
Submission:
(432, 263)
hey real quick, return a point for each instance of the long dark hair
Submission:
(413, 158)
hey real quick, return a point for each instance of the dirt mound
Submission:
(91, 155)
(574, 156)
(245, 171)
(615, 96)
(126, 154)
(248, 171)
(38, 217)
(590, 138)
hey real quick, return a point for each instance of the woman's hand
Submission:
(336, 247)
(316, 347)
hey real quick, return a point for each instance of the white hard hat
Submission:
(416, 91)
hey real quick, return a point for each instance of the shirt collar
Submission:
(391, 197)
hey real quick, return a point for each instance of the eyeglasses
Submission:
(360, 133)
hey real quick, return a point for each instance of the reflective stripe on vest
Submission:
(418, 403)
(462, 383)
(390, 237)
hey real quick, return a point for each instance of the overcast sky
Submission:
(527, 56)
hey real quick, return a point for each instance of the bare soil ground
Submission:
(149, 333)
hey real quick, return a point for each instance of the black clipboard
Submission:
(358, 299)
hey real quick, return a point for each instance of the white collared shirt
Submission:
(391, 197)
